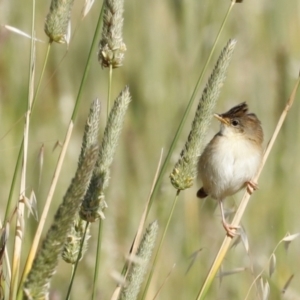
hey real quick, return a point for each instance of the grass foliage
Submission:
(140, 243)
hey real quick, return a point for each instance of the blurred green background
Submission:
(167, 43)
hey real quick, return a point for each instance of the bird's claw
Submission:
(231, 230)
(251, 186)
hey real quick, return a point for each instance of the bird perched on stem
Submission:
(232, 158)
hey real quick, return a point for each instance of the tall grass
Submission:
(168, 44)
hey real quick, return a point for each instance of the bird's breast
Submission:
(227, 163)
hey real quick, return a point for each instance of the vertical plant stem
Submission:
(44, 215)
(96, 271)
(20, 214)
(13, 183)
(109, 90)
(42, 76)
(241, 209)
(20, 210)
(188, 108)
(88, 64)
(160, 246)
(21, 206)
(99, 238)
(61, 158)
(12, 187)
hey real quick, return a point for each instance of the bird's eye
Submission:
(235, 122)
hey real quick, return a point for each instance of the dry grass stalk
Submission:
(21, 205)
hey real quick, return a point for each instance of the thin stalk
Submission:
(61, 158)
(20, 155)
(96, 271)
(77, 261)
(44, 215)
(72, 278)
(160, 245)
(88, 63)
(42, 76)
(13, 183)
(99, 238)
(241, 209)
(188, 108)
(109, 90)
(19, 230)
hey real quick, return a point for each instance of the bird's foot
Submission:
(231, 230)
(251, 186)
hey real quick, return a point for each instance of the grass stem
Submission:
(160, 246)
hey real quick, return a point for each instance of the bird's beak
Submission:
(221, 119)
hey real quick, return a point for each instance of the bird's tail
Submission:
(201, 193)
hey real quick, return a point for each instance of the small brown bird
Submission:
(232, 158)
